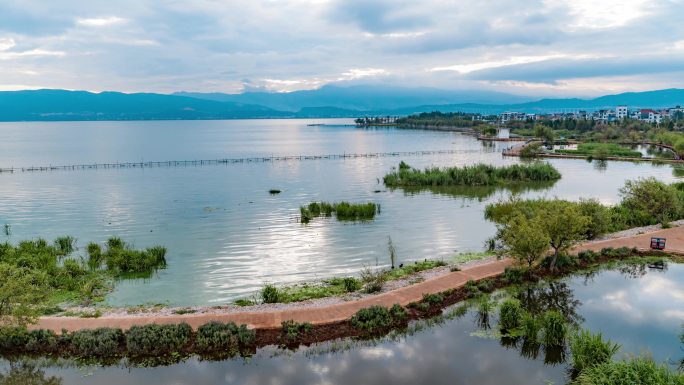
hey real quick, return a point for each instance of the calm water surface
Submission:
(644, 314)
(225, 234)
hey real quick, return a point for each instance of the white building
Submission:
(621, 112)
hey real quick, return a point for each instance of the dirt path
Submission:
(273, 318)
(674, 244)
(337, 312)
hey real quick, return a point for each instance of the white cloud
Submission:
(204, 45)
(30, 53)
(100, 21)
(605, 13)
(6, 43)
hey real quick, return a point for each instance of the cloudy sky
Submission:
(530, 47)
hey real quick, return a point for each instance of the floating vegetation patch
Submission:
(344, 211)
(475, 175)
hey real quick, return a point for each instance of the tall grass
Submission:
(555, 328)
(590, 350)
(344, 211)
(637, 371)
(475, 175)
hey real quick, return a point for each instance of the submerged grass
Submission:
(475, 175)
(344, 211)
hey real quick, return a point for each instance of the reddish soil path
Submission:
(674, 244)
(272, 318)
(332, 313)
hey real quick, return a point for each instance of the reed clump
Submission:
(344, 211)
(474, 175)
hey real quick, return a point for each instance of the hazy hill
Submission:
(361, 97)
(329, 101)
(81, 105)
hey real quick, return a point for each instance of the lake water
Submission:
(225, 235)
(642, 313)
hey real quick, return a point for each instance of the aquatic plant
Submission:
(344, 211)
(65, 245)
(636, 371)
(510, 315)
(554, 328)
(122, 259)
(475, 175)
(530, 327)
(590, 349)
(392, 251)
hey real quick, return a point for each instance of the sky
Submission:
(525, 47)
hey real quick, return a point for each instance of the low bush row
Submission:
(139, 341)
(376, 319)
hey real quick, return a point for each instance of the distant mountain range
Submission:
(326, 102)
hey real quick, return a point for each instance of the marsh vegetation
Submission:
(475, 175)
(344, 211)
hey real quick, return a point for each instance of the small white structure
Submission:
(621, 112)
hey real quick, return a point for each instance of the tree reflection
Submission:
(27, 373)
(540, 298)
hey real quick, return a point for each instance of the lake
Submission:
(226, 235)
(640, 311)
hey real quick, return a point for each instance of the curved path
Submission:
(268, 319)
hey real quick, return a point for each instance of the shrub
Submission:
(13, 339)
(587, 256)
(216, 337)
(101, 342)
(510, 315)
(555, 328)
(21, 340)
(270, 294)
(154, 340)
(515, 275)
(433, 299)
(486, 285)
(471, 288)
(377, 318)
(373, 281)
(292, 330)
(351, 284)
(590, 350)
(398, 313)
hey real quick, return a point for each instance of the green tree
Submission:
(564, 225)
(648, 197)
(545, 133)
(22, 293)
(525, 239)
